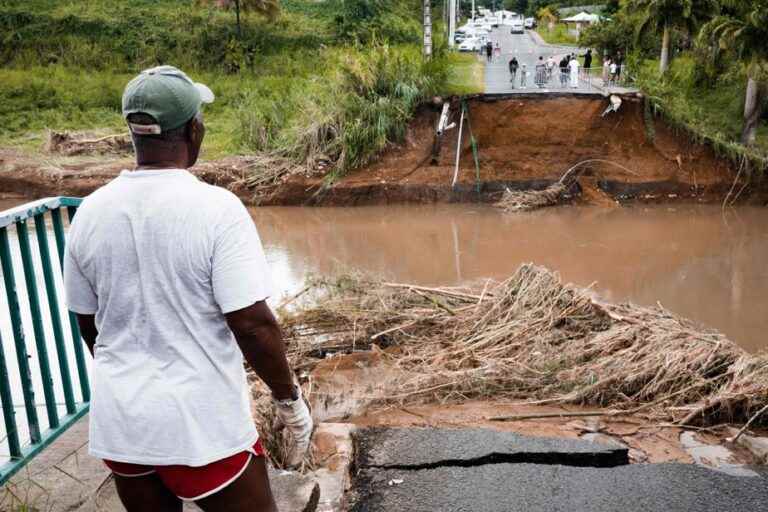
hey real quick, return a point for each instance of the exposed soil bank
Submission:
(528, 144)
(523, 144)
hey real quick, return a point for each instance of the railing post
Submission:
(82, 371)
(9, 415)
(22, 358)
(53, 308)
(37, 322)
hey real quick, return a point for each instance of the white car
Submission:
(529, 23)
(471, 44)
(517, 27)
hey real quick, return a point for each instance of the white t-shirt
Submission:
(574, 65)
(159, 257)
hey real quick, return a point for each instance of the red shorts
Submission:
(193, 483)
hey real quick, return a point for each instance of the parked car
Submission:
(518, 27)
(471, 44)
(529, 23)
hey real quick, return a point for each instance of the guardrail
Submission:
(26, 442)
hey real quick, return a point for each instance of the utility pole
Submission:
(452, 23)
(427, 29)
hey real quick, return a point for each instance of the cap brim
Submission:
(206, 95)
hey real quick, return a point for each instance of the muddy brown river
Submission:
(696, 260)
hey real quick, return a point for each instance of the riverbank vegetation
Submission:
(703, 65)
(337, 80)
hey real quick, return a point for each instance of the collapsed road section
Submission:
(485, 471)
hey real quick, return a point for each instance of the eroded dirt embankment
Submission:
(525, 143)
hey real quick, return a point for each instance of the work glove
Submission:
(294, 414)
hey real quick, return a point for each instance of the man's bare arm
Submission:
(87, 324)
(259, 337)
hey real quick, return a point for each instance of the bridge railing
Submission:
(598, 78)
(32, 371)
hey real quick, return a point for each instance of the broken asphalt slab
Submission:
(424, 448)
(552, 488)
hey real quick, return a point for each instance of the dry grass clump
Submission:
(70, 144)
(265, 171)
(531, 337)
(526, 200)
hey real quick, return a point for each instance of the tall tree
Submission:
(743, 29)
(268, 8)
(666, 15)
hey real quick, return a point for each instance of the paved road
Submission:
(424, 470)
(527, 51)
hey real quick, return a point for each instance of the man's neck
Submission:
(159, 165)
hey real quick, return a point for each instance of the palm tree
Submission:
(667, 15)
(743, 29)
(545, 14)
(266, 7)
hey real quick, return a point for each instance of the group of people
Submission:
(569, 67)
(612, 69)
(491, 50)
(545, 70)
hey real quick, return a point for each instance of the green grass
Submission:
(466, 74)
(558, 35)
(312, 82)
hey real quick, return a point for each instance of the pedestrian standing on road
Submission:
(606, 71)
(574, 71)
(513, 65)
(614, 68)
(550, 67)
(497, 51)
(564, 72)
(541, 73)
(588, 60)
(523, 75)
(168, 281)
(619, 64)
(489, 51)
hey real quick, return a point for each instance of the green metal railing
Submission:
(21, 450)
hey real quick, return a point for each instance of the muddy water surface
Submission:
(694, 260)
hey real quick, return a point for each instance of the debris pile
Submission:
(531, 337)
(560, 191)
(527, 200)
(70, 144)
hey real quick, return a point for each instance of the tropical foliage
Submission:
(743, 30)
(667, 15)
(719, 89)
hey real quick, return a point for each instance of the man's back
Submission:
(162, 255)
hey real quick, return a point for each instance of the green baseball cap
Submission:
(165, 93)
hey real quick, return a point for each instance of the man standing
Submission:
(574, 71)
(588, 60)
(489, 51)
(541, 73)
(564, 72)
(168, 280)
(513, 65)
